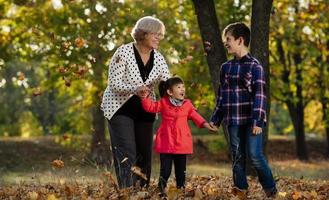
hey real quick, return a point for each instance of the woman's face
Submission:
(152, 40)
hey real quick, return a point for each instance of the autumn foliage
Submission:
(198, 187)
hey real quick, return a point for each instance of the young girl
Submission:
(173, 139)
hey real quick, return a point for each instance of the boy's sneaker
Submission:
(271, 193)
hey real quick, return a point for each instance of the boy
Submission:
(241, 106)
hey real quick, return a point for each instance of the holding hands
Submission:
(210, 126)
(143, 91)
(213, 126)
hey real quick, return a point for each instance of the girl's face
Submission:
(177, 91)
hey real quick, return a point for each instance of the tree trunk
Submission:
(325, 117)
(297, 117)
(296, 109)
(299, 122)
(259, 47)
(211, 37)
(323, 97)
(100, 149)
(212, 42)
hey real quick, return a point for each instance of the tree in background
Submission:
(293, 70)
(54, 57)
(213, 45)
(259, 46)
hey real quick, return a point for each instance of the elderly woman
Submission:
(135, 69)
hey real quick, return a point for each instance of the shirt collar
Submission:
(245, 58)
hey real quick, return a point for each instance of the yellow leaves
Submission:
(57, 163)
(314, 193)
(282, 194)
(79, 42)
(21, 76)
(198, 194)
(73, 71)
(296, 195)
(186, 60)
(62, 70)
(197, 188)
(66, 45)
(33, 195)
(65, 137)
(52, 197)
(81, 70)
(136, 170)
(141, 195)
(67, 81)
(240, 194)
(36, 91)
(174, 193)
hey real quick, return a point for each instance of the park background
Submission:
(54, 58)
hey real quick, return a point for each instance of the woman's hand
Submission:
(143, 91)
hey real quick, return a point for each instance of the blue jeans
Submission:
(244, 143)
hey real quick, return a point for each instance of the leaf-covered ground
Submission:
(198, 187)
(41, 168)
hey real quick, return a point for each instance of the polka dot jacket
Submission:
(124, 78)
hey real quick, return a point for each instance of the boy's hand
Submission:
(256, 130)
(211, 128)
(212, 125)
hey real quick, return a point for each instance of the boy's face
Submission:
(177, 91)
(232, 45)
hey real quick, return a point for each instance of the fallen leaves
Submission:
(136, 170)
(124, 160)
(57, 163)
(21, 76)
(197, 188)
(79, 42)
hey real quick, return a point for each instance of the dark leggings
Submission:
(165, 169)
(131, 142)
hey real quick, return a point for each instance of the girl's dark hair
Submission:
(165, 85)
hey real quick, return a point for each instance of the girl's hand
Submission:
(211, 128)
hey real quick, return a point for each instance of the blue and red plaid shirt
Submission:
(241, 96)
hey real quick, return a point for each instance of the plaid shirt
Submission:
(241, 96)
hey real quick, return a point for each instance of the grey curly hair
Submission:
(147, 25)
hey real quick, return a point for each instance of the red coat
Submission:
(174, 134)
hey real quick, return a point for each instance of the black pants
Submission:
(165, 169)
(131, 145)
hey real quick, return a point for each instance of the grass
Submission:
(29, 161)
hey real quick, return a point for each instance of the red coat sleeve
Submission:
(151, 106)
(196, 117)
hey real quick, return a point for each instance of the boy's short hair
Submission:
(237, 30)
